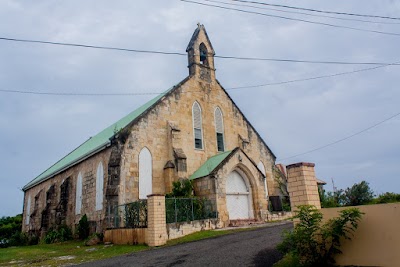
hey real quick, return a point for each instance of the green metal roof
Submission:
(210, 165)
(93, 144)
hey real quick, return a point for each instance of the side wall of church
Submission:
(50, 205)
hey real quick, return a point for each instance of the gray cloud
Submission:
(36, 131)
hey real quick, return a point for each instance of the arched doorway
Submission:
(238, 197)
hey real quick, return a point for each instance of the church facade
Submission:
(193, 131)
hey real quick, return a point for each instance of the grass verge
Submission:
(72, 252)
(75, 252)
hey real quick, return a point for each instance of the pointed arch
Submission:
(145, 173)
(203, 54)
(261, 167)
(99, 186)
(197, 125)
(78, 196)
(28, 210)
(219, 129)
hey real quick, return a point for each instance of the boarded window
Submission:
(99, 186)
(28, 210)
(78, 197)
(261, 167)
(197, 123)
(145, 173)
(219, 129)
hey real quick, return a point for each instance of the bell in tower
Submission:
(201, 55)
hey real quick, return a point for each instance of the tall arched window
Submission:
(197, 129)
(78, 198)
(99, 186)
(28, 210)
(219, 129)
(145, 173)
(261, 167)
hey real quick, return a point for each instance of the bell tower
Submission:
(201, 55)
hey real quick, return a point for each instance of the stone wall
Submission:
(48, 208)
(176, 109)
(177, 230)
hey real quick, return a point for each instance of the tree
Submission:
(181, 188)
(387, 198)
(358, 194)
(331, 199)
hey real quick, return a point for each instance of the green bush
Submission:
(387, 198)
(60, 234)
(311, 243)
(83, 228)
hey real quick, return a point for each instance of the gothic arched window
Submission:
(197, 129)
(219, 129)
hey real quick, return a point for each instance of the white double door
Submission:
(238, 197)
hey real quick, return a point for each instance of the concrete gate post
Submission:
(156, 223)
(302, 185)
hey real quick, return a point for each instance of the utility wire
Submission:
(313, 78)
(319, 11)
(185, 54)
(303, 13)
(293, 19)
(342, 139)
(228, 88)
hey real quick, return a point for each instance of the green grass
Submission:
(74, 252)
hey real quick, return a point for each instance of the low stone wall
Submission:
(176, 230)
(376, 240)
(277, 216)
(125, 236)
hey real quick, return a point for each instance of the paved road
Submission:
(249, 248)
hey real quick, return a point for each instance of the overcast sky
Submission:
(37, 130)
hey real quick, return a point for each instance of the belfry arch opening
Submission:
(203, 54)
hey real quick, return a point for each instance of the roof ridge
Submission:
(96, 142)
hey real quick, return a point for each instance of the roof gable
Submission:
(213, 164)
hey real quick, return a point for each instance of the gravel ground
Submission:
(248, 248)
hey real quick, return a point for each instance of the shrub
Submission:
(387, 198)
(62, 234)
(83, 228)
(313, 244)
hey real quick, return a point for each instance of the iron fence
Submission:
(189, 209)
(130, 215)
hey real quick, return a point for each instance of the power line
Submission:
(293, 19)
(228, 88)
(184, 54)
(343, 139)
(313, 78)
(319, 11)
(306, 14)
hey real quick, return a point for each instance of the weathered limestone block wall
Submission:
(302, 185)
(52, 188)
(376, 240)
(152, 131)
(177, 230)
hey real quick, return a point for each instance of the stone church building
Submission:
(194, 130)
